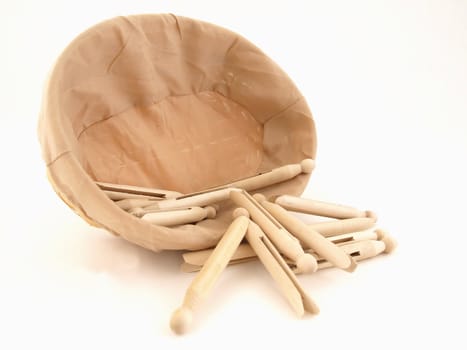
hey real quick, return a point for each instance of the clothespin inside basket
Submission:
(175, 217)
(128, 191)
(273, 176)
(194, 199)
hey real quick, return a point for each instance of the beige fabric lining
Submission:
(158, 145)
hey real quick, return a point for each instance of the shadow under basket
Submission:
(173, 103)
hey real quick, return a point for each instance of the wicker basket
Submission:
(167, 102)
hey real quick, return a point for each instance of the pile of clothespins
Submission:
(262, 228)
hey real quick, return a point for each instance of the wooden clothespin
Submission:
(128, 191)
(194, 199)
(179, 216)
(287, 244)
(358, 250)
(260, 246)
(131, 203)
(309, 206)
(273, 176)
(359, 245)
(308, 236)
(206, 278)
(194, 261)
(389, 242)
(339, 227)
(221, 193)
(353, 237)
(118, 196)
(280, 271)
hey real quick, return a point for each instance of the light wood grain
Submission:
(389, 241)
(353, 237)
(117, 196)
(359, 250)
(194, 200)
(319, 208)
(274, 176)
(339, 227)
(179, 216)
(137, 190)
(244, 251)
(207, 277)
(283, 240)
(309, 237)
(128, 204)
(199, 257)
(280, 271)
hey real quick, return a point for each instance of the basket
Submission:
(167, 102)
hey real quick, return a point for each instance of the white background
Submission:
(387, 83)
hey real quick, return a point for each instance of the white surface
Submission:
(387, 83)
